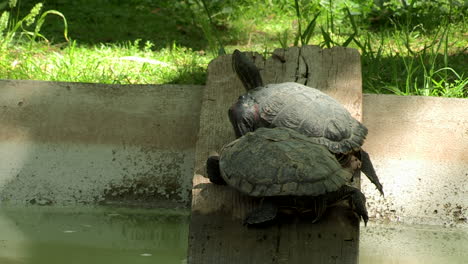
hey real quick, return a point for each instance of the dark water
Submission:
(49, 235)
(103, 235)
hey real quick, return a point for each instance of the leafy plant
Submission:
(13, 30)
(421, 69)
(207, 23)
(427, 13)
(283, 38)
(304, 36)
(327, 34)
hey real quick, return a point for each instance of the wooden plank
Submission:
(216, 232)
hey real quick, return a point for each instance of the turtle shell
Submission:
(310, 112)
(279, 162)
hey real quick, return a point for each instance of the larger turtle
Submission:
(288, 170)
(304, 109)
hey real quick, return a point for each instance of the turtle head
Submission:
(246, 70)
(244, 115)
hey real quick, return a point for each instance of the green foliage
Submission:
(412, 68)
(426, 74)
(125, 63)
(425, 13)
(4, 21)
(14, 31)
(92, 22)
(207, 23)
(408, 47)
(304, 36)
(416, 72)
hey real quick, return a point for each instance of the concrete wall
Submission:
(419, 146)
(63, 143)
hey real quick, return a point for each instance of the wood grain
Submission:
(216, 232)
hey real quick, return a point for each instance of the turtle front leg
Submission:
(212, 170)
(357, 198)
(368, 169)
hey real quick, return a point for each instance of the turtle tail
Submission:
(246, 70)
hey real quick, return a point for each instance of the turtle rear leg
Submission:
(264, 214)
(368, 169)
(357, 199)
(320, 208)
(212, 170)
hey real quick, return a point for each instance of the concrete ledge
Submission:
(419, 146)
(392, 243)
(64, 143)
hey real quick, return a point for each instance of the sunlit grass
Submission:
(106, 63)
(406, 60)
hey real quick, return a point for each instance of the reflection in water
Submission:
(103, 235)
(77, 235)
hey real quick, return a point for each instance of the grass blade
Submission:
(351, 18)
(346, 43)
(362, 47)
(298, 15)
(41, 20)
(221, 49)
(326, 38)
(309, 30)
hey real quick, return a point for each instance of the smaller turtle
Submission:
(288, 170)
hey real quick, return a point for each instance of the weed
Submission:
(304, 36)
(13, 31)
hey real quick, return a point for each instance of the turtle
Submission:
(287, 170)
(302, 108)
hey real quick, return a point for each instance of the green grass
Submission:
(154, 42)
(104, 63)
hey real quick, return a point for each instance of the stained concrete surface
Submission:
(394, 243)
(65, 143)
(419, 146)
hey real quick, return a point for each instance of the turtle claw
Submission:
(365, 218)
(356, 198)
(359, 201)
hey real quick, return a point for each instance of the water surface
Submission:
(82, 235)
(109, 235)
